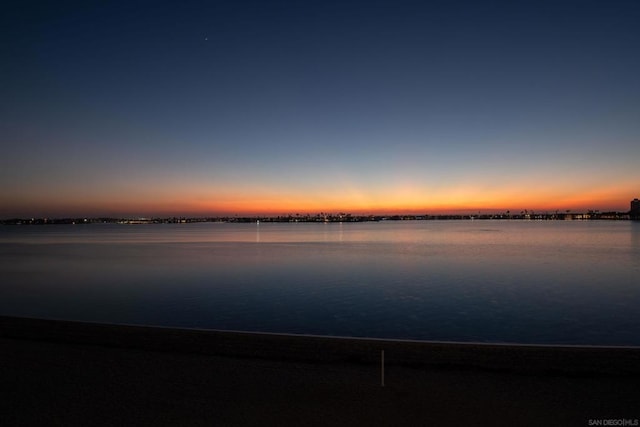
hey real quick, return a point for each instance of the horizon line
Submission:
(506, 214)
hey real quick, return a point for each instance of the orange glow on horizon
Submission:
(409, 200)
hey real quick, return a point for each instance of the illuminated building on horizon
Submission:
(634, 213)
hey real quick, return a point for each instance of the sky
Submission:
(204, 108)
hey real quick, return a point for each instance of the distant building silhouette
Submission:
(634, 213)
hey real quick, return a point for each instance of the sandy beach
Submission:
(73, 373)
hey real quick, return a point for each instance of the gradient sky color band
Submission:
(206, 108)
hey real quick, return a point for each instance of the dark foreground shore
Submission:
(71, 373)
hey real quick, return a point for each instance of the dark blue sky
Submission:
(209, 107)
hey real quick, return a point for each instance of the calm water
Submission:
(488, 281)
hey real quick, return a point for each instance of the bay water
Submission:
(536, 282)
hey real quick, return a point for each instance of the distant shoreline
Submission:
(326, 218)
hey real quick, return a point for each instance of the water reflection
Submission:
(634, 233)
(548, 282)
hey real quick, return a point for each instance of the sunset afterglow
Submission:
(228, 108)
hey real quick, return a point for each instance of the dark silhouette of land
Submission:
(72, 373)
(332, 217)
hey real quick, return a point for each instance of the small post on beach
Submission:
(382, 368)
